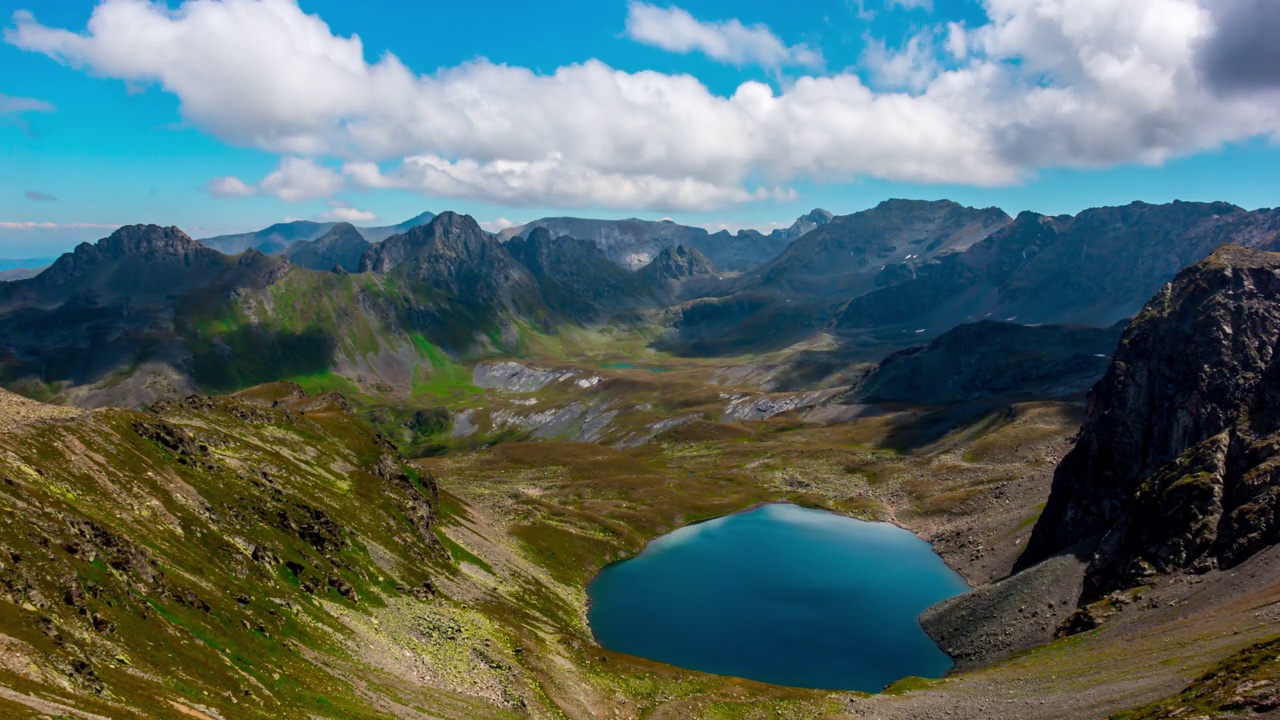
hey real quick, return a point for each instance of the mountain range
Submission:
(182, 316)
(282, 237)
(635, 243)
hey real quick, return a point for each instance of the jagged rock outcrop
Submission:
(675, 262)
(679, 273)
(452, 255)
(341, 247)
(1178, 461)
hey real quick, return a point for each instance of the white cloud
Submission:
(294, 180)
(348, 214)
(342, 212)
(299, 179)
(1042, 83)
(230, 187)
(5, 225)
(913, 4)
(957, 42)
(911, 68)
(551, 182)
(730, 41)
(496, 226)
(10, 105)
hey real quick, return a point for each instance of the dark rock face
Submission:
(676, 262)
(1178, 462)
(454, 256)
(992, 358)
(575, 277)
(134, 260)
(341, 247)
(463, 284)
(678, 274)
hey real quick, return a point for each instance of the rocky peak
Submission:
(677, 262)
(1177, 464)
(143, 245)
(460, 261)
(575, 277)
(343, 246)
(814, 219)
(447, 235)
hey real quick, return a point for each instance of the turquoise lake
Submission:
(781, 594)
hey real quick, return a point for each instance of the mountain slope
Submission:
(270, 240)
(845, 256)
(679, 273)
(260, 556)
(342, 246)
(457, 269)
(797, 293)
(1096, 268)
(378, 234)
(1175, 466)
(987, 359)
(575, 278)
(635, 243)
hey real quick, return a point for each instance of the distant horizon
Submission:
(6, 261)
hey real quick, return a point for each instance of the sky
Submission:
(229, 115)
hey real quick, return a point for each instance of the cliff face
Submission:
(1178, 462)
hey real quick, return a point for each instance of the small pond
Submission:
(781, 594)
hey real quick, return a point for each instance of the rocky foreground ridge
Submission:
(1177, 463)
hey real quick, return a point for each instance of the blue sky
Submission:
(870, 100)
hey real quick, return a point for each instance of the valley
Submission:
(639, 360)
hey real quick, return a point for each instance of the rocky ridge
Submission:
(1175, 466)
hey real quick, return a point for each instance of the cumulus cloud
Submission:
(1043, 83)
(342, 212)
(550, 182)
(496, 226)
(300, 179)
(730, 41)
(230, 187)
(294, 180)
(10, 105)
(912, 67)
(36, 196)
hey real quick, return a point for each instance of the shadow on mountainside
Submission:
(251, 355)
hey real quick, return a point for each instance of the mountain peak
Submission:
(677, 262)
(342, 247)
